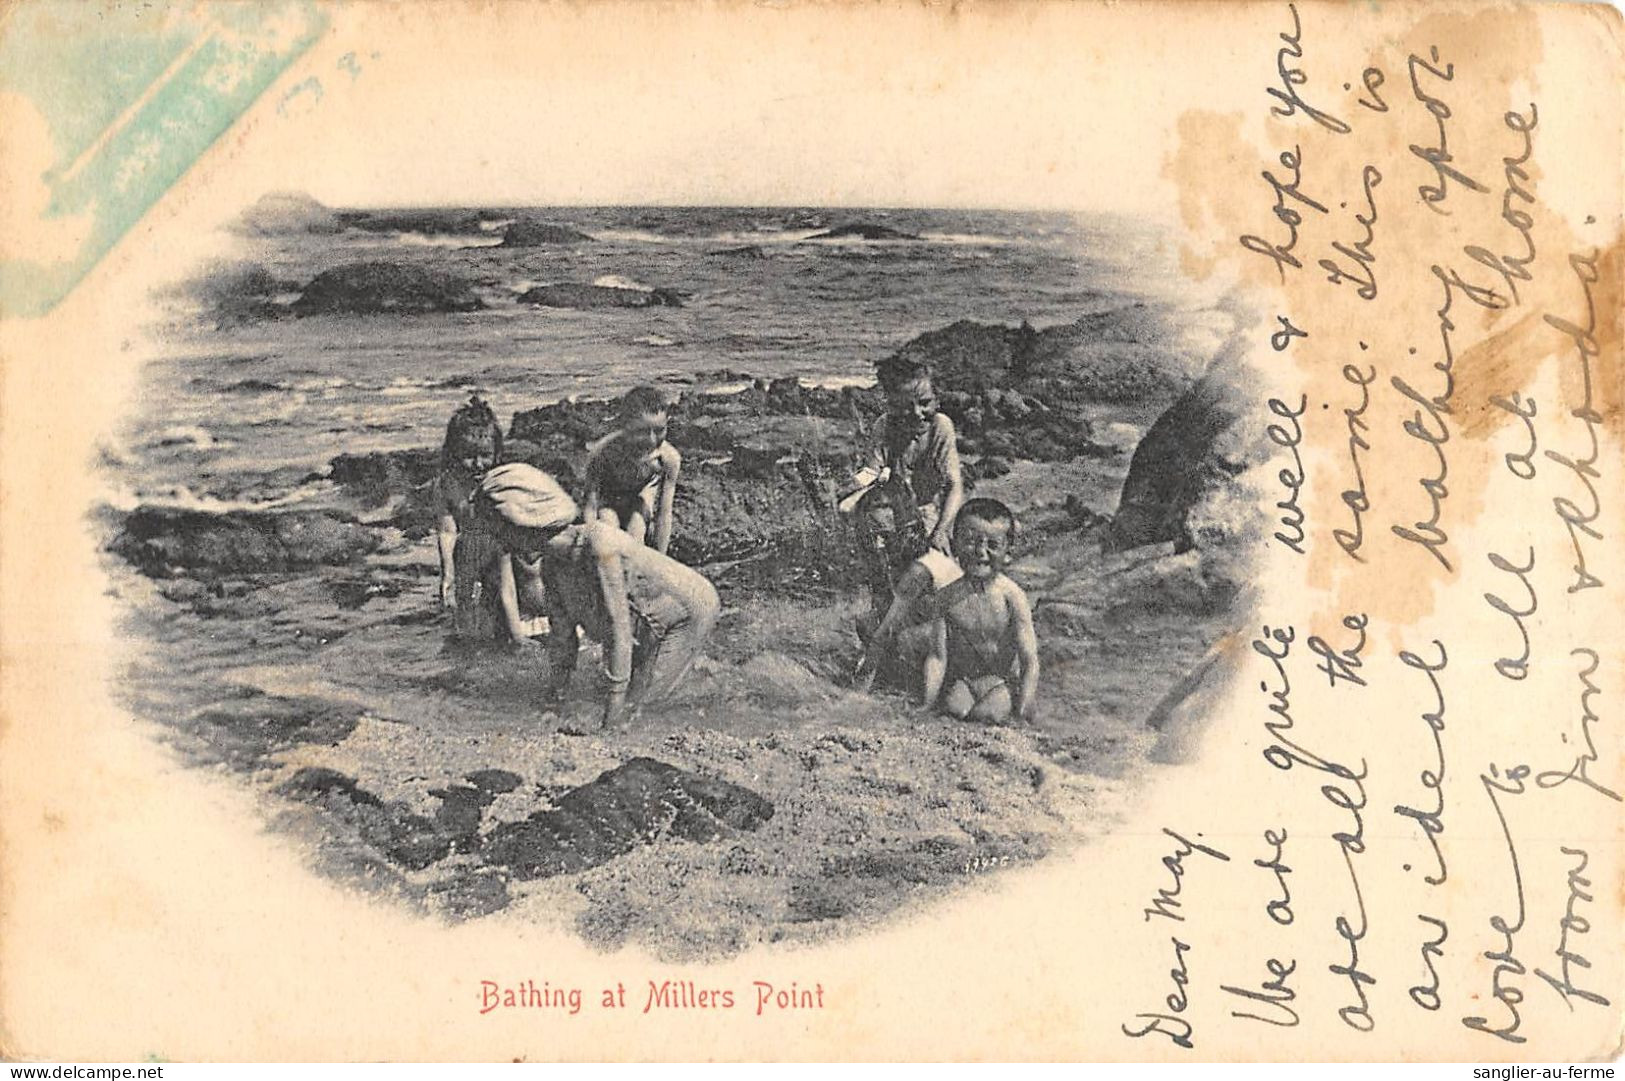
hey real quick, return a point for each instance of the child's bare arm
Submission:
(671, 463)
(1026, 640)
(952, 495)
(508, 595)
(936, 662)
(446, 542)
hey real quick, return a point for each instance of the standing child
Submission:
(468, 571)
(983, 662)
(651, 613)
(632, 473)
(910, 486)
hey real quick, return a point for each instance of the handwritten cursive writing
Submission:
(1431, 821)
(1360, 272)
(1507, 965)
(1166, 903)
(1355, 499)
(1585, 343)
(1291, 478)
(1438, 157)
(1520, 464)
(1289, 196)
(1514, 268)
(1576, 924)
(1292, 77)
(1581, 770)
(1515, 668)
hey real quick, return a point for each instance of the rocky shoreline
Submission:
(1120, 457)
(762, 463)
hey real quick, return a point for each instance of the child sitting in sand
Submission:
(910, 486)
(651, 613)
(632, 473)
(983, 661)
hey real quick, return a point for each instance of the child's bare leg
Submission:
(958, 700)
(637, 527)
(681, 622)
(993, 704)
(608, 516)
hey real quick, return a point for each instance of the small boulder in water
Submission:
(747, 251)
(863, 231)
(385, 287)
(160, 541)
(576, 295)
(531, 234)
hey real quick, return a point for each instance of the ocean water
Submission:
(350, 668)
(244, 414)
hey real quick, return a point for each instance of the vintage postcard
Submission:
(906, 531)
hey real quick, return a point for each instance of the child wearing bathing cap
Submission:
(651, 613)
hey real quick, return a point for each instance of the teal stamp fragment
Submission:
(116, 102)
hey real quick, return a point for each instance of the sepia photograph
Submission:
(698, 577)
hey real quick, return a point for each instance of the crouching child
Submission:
(651, 613)
(983, 660)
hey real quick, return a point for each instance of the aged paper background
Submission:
(147, 912)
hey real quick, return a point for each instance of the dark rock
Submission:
(243, 733)
(495, 781)
(747, 251)
(353, 593)
(384, 287)
(313, 783)
(639, 802)
(988, 468)
(235, 293)
(404, 838)
(1174, 464)
(472, 894)
(530, 234)
(459, 813)
(576, 295)
(161, 540)
(410, 840)
(428, 221)
(863, 231)
(376, 478)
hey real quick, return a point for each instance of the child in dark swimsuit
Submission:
(910, 486)
(468, 580)
(632, 473)
(490, 597)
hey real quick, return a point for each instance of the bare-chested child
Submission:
(651, 613)
(490, 596)
(983, 662)
(632, 473)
